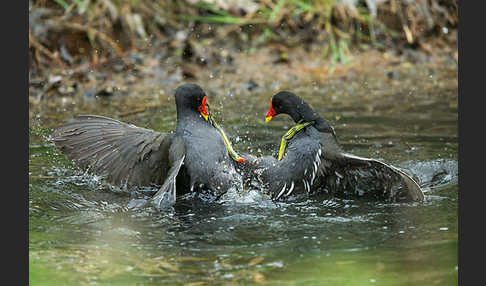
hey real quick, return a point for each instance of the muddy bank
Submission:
(106, 49)
(69, 34)
(384, 106)
(149, 81)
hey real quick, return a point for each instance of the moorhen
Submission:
(310, 159)
(198, 156)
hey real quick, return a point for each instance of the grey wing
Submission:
(350, 175)
(121, 152)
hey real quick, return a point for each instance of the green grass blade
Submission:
(62, 3)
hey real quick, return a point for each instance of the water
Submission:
(81, 232)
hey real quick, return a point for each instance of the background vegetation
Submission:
(71, 32)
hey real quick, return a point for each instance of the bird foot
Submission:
(163, 200)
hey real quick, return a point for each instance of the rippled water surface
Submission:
(81, 232)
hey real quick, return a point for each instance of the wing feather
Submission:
(349, 176)
(114, 149)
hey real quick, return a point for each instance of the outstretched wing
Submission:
(348, 175)
(121, 152)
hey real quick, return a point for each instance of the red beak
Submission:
(202, 108)
(271, 113)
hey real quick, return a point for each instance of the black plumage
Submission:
(314, 161)
(194, 157)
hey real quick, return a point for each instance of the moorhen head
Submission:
(285, 102)
(191, 99)
(196, 157)
(208, 163)
(311, 160)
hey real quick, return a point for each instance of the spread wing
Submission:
(347, 175)
(121, 152)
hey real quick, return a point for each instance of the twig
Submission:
(94, 32)
(39, 47)
(131, 112)
(408, 33)
(403, 21)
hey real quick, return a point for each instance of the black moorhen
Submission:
(310, 159)
(195, 157)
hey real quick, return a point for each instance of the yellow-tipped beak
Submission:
(271, 113)
(204, 116)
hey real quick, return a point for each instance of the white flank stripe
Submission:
(291, 189)
(282, 191)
